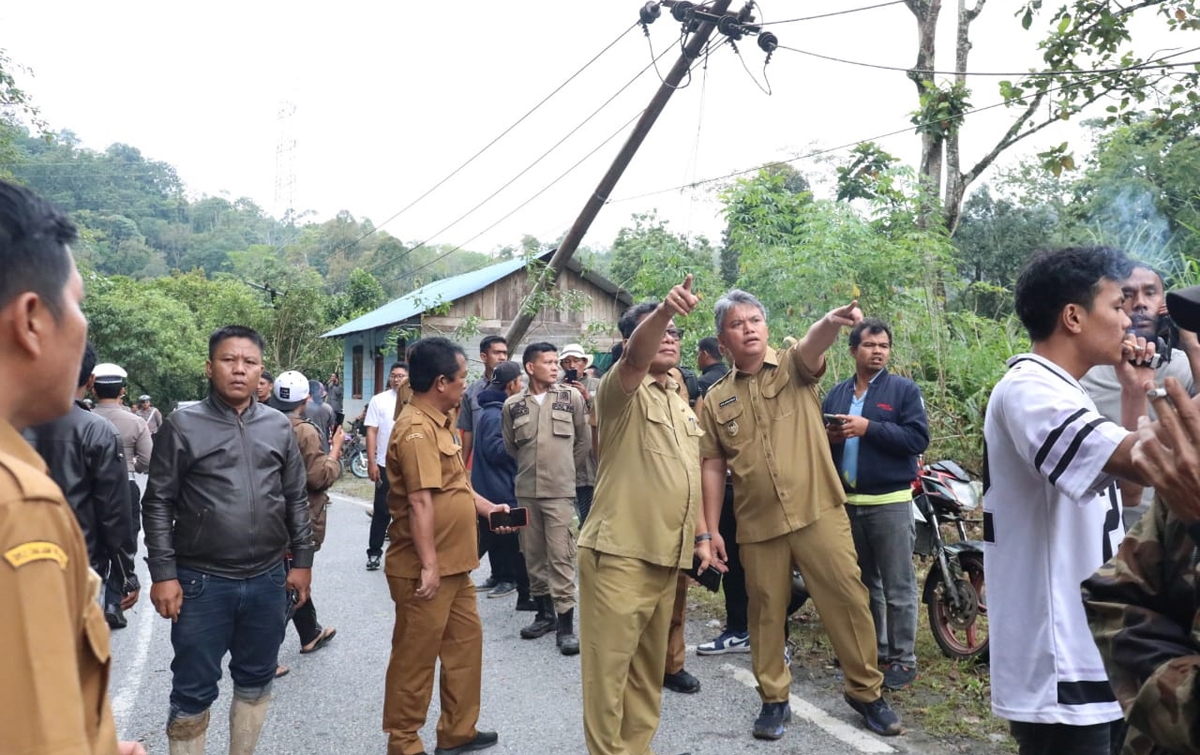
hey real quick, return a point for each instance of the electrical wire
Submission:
(834, 13)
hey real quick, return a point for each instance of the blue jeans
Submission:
(884, 536)
(244, 617)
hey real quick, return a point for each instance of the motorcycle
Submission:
(954, 588)
(943, 494)
(354, 455)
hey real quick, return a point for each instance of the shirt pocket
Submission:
(96, 630)
(780, 404)
(563, 423)
(524, 429)
(659, 435)
(731, 430)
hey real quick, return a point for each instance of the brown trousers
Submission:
(624, 617)
(549, 547)
(445, 628)
(676, 650)
(825, 553)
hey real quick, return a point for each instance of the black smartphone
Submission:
(571, 376)
(833, 419)
(517, 517)
(293, 596)
(710, 578)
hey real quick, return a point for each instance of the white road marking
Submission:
(124, 701)
(835, 727)
(368, 505)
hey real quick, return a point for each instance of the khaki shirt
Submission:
(648, 487)
(54, 666)
(321, 472)
(768, 429)
(549, 440)
(585, 476)
(404, 394)
(134, 432)
(153, 418)
(423, 454)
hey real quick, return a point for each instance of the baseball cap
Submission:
(505, 373)
(291, 390)
(1184, 307)
(575, 350)
(108, 373)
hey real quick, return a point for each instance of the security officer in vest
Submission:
(58, 631)
(109, 386)
(546, 430)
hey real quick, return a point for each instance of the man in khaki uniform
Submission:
(646, 524)
(546, 430)
(55, 664)
(429, 563)
(573, 357)
(763, 422)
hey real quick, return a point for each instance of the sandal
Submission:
(281, 670)
(322, 639)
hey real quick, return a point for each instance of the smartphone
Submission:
(572, 376)
(293, 597)
(710, 579)
(833, 419)
(517, 517)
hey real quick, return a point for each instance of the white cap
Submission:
(575, 350)
(109, 373)
(291, 387)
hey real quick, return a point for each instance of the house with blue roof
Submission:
(467, 307)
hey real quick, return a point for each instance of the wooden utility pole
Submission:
(516, 331)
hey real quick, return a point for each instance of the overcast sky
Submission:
(389, 98)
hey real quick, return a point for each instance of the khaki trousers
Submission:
(676, 650)
(549, 547)
(624, 616)
(824, 550)
(445, 628)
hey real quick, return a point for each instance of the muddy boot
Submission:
(246, 719)
(544, 622)
(186, 734)
(568, 643)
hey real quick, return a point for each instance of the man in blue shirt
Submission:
(877, 429)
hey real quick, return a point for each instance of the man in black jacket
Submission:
(82, 452)
(225, 502)
(877, 428)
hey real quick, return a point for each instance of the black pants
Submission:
(502, 551)
(303, 618)
(1064, 739)
(381, 517)
(120, 577)
(583, 502)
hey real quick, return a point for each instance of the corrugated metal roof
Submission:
(431, 295)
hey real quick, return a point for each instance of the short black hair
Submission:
(1052, 279)
(87, 365)
(108, 390)
(395, 365)
(870, 325)
(234, 331)
(266, 375)
(485, 346)
(629, 321)
(711, 346)
(33, 247)
(432, 358)
(533, 350)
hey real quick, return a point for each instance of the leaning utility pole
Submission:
(705, 19)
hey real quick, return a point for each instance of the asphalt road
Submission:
(331, 702)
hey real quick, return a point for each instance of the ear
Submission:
(31, 323)
(208, 368)
(1073, 317)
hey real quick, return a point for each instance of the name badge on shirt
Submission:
(727, 402)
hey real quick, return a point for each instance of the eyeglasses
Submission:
(675, 334)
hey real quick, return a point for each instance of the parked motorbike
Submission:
(943, 494)
(354, 456)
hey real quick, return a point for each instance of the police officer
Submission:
(149, 413)
(429, 563)
(646, 523)
(109, 387)
(58, 634)
(546, 431)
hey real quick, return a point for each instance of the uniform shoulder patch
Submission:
(518, 409)
(36, 550)
(414, 436)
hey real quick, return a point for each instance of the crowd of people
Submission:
(597, 498)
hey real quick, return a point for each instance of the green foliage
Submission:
(941, 109)
(760, 209)
(867, 175)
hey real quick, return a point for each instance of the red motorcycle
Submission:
(943, 494)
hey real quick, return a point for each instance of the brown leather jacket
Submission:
(322, 472)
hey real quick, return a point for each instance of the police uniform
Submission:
(55, 666)
(550, 440)
(789, 505)
(638, 536)
(423, 454)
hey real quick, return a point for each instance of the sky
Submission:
(391, 98)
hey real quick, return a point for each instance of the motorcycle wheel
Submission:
(358, 464)
(961, 634)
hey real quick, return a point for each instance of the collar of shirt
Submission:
(439, 417)
(11, 442)
(770, 359)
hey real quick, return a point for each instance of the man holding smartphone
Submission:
(574, 362)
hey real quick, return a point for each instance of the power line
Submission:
(834, 13)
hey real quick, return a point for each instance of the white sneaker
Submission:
(726, 642)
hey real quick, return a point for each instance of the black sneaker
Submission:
(681, 681)
(879, 716)
(769, 724)
(487, 584)
(899, 676)
(115, 617)
(482, 741)
(372, 563)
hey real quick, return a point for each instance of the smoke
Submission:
(1129, 219)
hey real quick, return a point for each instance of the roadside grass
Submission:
(355, 487)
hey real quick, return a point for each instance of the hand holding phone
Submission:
(571, 376)
(518, 517)
(710, 578)
(833, 420)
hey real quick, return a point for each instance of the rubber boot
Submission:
(568, 643)
(246, 719)
(544, 622)
(186, 735)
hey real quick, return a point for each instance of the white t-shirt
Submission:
(1052, 516)
(379, 415)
